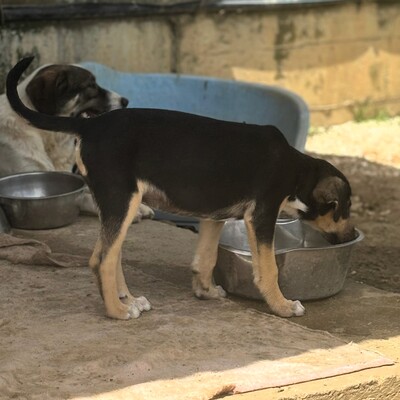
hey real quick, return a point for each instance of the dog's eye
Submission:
(91, 90)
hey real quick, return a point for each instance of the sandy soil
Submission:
(369, 154)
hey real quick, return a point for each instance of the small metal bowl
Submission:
(309, 267)
(41, 200)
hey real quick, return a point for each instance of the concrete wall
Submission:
(343, 59)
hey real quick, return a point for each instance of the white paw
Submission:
(144, 212)
(288, 309)
(213, 292)
(137, 305)
(298, 309)
(220, 290)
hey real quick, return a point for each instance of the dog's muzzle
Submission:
(124, 102)
(341, 237)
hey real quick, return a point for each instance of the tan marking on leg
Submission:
(123, 291)
(265, 273)
(268, 278)
(94, 263)
(136, 304)
(268, 285)
(143, 187)
(205, 259)
(78, 157)
(95, 258)
(109, 266)
(251, 236)
(283, 204)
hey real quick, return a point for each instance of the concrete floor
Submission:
(367, 316)
(360, 313)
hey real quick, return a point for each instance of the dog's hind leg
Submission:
(114, 230)
(205, 259)
(265, 270)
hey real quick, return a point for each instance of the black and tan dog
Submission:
(202, 167)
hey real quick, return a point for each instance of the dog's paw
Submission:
(129, 307)
(290, 309)
(213, 292)
(137, 305)
(144, 212)
(298, 308)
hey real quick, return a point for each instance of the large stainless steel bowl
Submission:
(309, 267)
(41, 200)
(4, 224)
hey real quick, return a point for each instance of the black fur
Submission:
(200, 166)
(203, 165)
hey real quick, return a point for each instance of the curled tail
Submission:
(37, 119)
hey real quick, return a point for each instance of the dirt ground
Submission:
(368, 153)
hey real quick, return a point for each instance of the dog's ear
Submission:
(333, 193)
(45, 88)
(61, 83)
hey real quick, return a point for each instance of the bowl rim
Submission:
(359, 238)
(71, 174)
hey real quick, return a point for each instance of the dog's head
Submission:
(328, 205)
(69, 90)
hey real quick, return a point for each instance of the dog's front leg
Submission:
(260, 231)
(141, 303)
(205, 259)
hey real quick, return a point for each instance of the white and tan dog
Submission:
(62, 90)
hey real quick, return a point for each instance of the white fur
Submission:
(292, 208)
(21, 146)
(114, 100)
(24, 148)
(297, 205)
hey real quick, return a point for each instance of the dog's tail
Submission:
(37, 119)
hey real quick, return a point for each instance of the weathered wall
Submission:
(129, 45)
(333, 56)
(342, 59)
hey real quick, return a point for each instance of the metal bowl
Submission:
(4, 224)
(41, 200)
(309, 267)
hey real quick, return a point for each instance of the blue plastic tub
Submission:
(217, 98)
